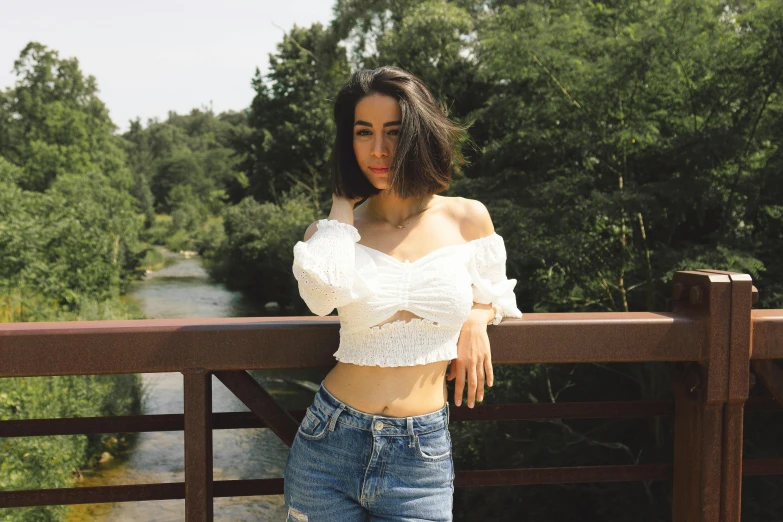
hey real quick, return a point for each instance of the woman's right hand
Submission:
(353, 202)
(342, 208)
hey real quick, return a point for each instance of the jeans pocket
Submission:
(314, 424)
(435, 445)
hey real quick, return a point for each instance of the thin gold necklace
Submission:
(402, 225)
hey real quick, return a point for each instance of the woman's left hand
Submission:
(473, 359)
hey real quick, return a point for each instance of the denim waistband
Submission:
(392, 426)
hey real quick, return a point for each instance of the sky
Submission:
(152, 57)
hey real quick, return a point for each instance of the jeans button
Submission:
(379, 425)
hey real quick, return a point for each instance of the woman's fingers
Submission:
(480, 383)
(489, 371)
(459, 384)
(472, 384)
(477, 375)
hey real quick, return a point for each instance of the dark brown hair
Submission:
(427, 145)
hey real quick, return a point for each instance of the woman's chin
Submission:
(380, 184)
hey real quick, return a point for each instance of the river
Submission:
(182, 290)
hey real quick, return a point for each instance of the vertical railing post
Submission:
(700, 393)
(738, 356)
(198, 446)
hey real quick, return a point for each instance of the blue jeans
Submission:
(348, 466)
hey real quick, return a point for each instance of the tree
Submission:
(198, 150)
(262, 235)
(68, 226)
(52, 122)
(291, 114)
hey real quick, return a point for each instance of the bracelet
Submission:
(494, 316)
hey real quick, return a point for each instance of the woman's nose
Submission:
(378, 148)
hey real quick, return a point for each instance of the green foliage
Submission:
(434, 40)
(188, 228)
(630, 162)
(198, 151)
(76, 240)
(186, 168)
(68, 226)
(52, 462)
(291, 115)
(52, 122)
(261, 235)
(68, 248)
(210, 236)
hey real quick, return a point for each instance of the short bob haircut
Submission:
(427, 145)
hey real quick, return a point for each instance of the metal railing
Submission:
(716, 342)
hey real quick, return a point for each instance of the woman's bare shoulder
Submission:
(473, 218)
(310, 230)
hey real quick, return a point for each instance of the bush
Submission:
(50, 462)
(257, 253)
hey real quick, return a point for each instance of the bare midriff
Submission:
(397, 391)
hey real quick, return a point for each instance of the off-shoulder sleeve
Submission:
(488, 271)
(325, 267)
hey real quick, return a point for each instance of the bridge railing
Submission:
(717, 345)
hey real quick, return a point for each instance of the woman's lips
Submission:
(379, 170)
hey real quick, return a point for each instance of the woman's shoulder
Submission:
(473, 218)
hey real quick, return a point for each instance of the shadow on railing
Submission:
(711, 337)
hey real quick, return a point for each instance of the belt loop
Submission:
(447, 414)
(412, 439)
(336, 414)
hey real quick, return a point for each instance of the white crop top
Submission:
(368, 286)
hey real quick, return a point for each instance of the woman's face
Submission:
(377, 120)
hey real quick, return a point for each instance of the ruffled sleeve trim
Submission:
(325, 267)
(333, 224)
(487, 268)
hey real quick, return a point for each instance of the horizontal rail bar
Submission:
(274, 486)
(248, 420)
(767, 338)
(134, 493)
(762, 467)
(765, 403)
(170, 345)
(528, 476)
(571, 475)
(92, 495)
(127, 424)
(564, 410)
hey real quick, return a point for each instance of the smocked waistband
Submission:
(329, 404)
(399, 343)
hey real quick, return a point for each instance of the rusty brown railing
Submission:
(717, 342)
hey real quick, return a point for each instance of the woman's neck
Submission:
(396, 209)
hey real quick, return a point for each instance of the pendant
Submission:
(400, 226)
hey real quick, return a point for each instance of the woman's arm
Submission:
(474, 358)
(482, 313)
(342, 211)
(324, 263)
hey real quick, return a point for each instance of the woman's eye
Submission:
(395, 132)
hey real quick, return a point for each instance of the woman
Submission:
(416, 278)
